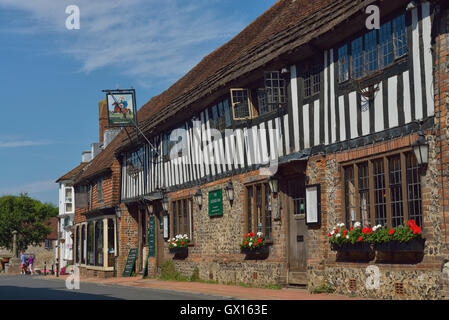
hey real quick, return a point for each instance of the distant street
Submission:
(20, 287)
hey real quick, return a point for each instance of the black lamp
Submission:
(230, 191)
(421, 150)
(198, 197)
(274, 184)
(165, 204)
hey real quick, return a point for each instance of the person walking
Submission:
(23, 263)
(30, 264)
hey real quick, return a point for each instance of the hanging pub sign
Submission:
(121, 107)
(313, 205)
(216, 203)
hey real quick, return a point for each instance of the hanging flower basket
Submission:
(256, 251)
(413, 245)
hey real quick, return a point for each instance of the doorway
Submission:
(297, 230)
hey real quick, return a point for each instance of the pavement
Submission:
(219, 291)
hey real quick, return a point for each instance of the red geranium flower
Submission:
(345, 232)
(245, 243)
(252, 234)
(360, 239)
(411, 223)
(416, 230)
(182, 242)
(391, 231)
(352, 228)
(259, 240)
(329, 234)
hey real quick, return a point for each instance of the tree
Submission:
(29, 217)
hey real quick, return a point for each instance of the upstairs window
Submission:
(267, 95)
(343, 63)
(373, 51)
(240, 104)
(100, 190)
(312, 79)
(275, 90)
(399, 37)
(221, 115)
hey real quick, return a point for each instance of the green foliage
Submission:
(28, 217)
(195, 275)
(323, 288)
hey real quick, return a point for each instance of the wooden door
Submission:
(298, 232)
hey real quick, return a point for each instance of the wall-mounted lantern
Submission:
(229, 189)
(165, 204)
(274, 184)
(198, 197)
(118, 212)
(421, 150)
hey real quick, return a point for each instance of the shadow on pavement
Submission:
(22, 293)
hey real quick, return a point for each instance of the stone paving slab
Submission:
(221, 290)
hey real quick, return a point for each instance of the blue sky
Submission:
(51, 78)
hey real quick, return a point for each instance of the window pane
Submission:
(385, 45)
(185, 218)
(250, 208)
(364, 194)
(227, 113)
(399, 36)
(357, 58)
(264, 107)
(268, 225)
(99, 243)
(371, 51)
(259, 217)
(397, 211)
(90, 244)
(350, 196)
(214, 120)
(276, 94)
(380, 205)
(413, 190)
(343, 64)
(240, 100)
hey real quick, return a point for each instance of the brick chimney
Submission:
(103, 118)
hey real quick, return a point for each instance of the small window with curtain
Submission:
(259, 209)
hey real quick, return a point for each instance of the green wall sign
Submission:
(216, 203)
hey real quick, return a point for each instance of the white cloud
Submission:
(146, 39)
(22, 143)
(30, 188)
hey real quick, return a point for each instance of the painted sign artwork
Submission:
(120, 109)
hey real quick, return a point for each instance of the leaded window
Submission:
(399, 36)
(343, 63)
(182, 217)
(259, 209)
(240, 104)
(312, 80)
(388, 191)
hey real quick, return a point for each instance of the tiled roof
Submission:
(53, 223)
(287, 25)
(74, 172)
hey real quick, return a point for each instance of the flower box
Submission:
(255, 251)
(413, 245)
(180, 252)
(349, 247)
